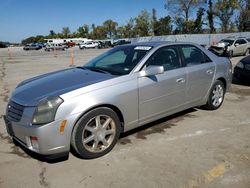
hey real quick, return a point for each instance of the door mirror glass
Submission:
(153, 70)
(237, 44)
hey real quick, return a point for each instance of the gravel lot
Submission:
(195, 148)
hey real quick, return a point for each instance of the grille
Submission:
(14, 111)
(247, 66)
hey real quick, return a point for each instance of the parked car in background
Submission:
(231, 47)
(120, 42)
(69, 44)
(101, 44)
(242, 69)
(87, 107)
(32, 47)
(3, 45)
(52, 47)
(89, 44)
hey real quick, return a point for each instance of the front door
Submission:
(163, 93)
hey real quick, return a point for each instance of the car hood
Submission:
(221, 44)
(30, 92)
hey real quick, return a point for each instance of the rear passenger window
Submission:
(194, 56)
(167, 57)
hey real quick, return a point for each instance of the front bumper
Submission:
(45, 139)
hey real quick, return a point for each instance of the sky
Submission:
(20, 19)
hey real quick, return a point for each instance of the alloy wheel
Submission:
(99, 133)
(217, 96)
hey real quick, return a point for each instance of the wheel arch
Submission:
(110, 106)
(223, 80)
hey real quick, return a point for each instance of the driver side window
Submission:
(167, 57)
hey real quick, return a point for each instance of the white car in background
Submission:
(89, 44)
(231, 47)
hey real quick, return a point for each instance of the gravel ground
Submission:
(194, 148)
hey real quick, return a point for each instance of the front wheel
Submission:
(247, 52)
(96, 133)
(216, 96)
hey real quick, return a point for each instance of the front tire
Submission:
(216, 96)
(230, 54)
(96, 133)
(247, 52)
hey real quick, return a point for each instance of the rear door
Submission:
(162, 93)
(200, 73)
(240, 47)
(244, 45)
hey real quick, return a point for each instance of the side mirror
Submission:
(152, 70)
(236, 44)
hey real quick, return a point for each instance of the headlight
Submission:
(46, 110)
(240, 65)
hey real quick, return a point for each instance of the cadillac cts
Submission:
(128, 86)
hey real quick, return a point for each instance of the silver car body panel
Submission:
(139, 99)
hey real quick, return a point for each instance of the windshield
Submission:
(228, 41)
(118, 61)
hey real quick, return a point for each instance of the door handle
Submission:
(210, 72)
(180, 80)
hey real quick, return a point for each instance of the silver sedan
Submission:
(127, 87)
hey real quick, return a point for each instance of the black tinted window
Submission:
(242, 41)
(167, 57)
(194, 56)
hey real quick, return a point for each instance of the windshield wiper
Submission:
(81, 68)
(97, 69)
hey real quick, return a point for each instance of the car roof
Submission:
(158, 43)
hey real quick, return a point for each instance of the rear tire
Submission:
(216, 96)
(96, 133)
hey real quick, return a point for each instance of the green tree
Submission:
(110, 27)
(129, 28)
(51, 34)
(33, 39)
(210, 17)
(98, 32)
(183, 9)
(65, 32)
(199, 22)
(154, 22)
(224, 10)
(142, 24)
(180, 24)
(243, 19)
(83, 31)
(163, 26)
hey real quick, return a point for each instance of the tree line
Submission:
(184, 17)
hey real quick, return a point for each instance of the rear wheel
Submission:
(216, 96)
(96, 133)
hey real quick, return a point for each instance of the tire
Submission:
(230, 54)
(216, 96)
(90, 140)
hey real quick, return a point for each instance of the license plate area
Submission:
(8, 126)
